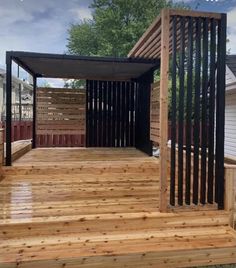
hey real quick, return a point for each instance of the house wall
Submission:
(230, 122)
(26, 98)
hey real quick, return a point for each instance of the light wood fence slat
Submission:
(61, 117)
(155, 113)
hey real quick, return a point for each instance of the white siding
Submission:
(230, 123)
(230, 77)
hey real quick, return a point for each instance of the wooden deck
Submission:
(99, 208)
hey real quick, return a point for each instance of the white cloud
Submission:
(81, 13)
(39, 26)
(231, 22)
(53, 82)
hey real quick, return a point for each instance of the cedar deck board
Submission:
(101, 210)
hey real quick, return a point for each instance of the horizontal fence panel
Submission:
(155, 113)
(61, 117)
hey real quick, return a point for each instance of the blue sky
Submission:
(41, 25)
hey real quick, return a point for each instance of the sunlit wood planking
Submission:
(101, 210)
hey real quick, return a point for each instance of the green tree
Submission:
(83, 38)
(115, 27)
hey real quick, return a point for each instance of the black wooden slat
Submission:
(131, 99)
(87, 118)
(173, 114)
(96, 139)
(128, 112)
(114, 114)
(118, 113)
(189, 112)
(92, 113)
(181, 111)
(220, 112)
(34, 112)
(100, 114)
(211, 112)
(109, 125)
(197, 110)
(204, 111)
(8, 109)
(104, 134)
(123, 113)
(87, 114)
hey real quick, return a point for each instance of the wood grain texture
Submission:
(155, 113)
(60, 115)
(230, 193)
(99, 207)
(165, 16)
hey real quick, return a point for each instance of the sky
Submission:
(41, 25)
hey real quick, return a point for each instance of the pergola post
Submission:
(34, 112)
(8, 107)
(165, 33)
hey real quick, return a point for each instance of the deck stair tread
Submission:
(96, 211)
(69, 247)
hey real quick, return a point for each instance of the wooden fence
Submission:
(21, 130)
(230, 191)
(155, 113)
(60, 117)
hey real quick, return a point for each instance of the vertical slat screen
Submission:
(197, 110)
(110, 113)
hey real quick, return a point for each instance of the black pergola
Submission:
(41, 65)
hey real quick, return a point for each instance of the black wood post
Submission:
(173, 115)
(204, 111)
(197, 110)
(87, 116)
(181, 111)
(211, 112)
(8, 107)
(34, 112)
(220, 112)
(142, 115)
(189, 112)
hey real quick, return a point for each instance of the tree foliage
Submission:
(115, 27)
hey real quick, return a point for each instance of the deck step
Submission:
(117, 222)
(172, 248)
